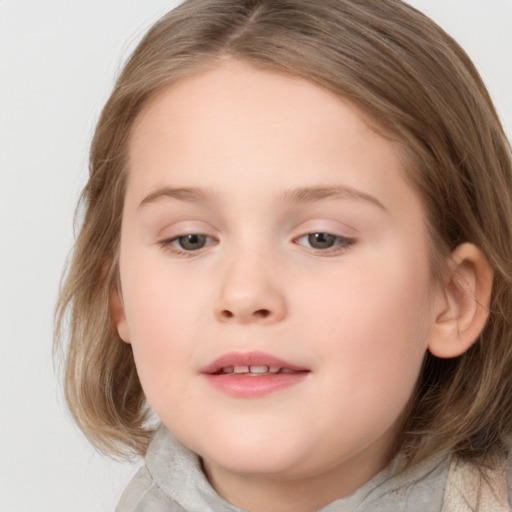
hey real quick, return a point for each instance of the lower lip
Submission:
(250, 386)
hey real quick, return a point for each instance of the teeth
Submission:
(258, 369)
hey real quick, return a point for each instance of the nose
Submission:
(250, 292)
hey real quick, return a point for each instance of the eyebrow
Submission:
(318, 193)
(292, 195)
(190, 194)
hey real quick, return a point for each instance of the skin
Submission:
(359, 315)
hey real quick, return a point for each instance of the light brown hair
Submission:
(417, 87)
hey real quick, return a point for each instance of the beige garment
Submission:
(470, 488)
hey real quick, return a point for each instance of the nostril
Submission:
(245, 314)
(262, 313)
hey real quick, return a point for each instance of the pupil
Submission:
(192, 242)
(321, 240)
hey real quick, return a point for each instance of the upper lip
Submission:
(256, 358)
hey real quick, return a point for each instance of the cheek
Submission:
(161, 323)
(160, 299)
(374, 325)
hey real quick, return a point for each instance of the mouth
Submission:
(251, 364)
(252, 374)
(255, 371)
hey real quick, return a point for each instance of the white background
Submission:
(58, 59)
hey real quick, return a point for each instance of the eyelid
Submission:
(185, 226)
(342, 242)
(345, 235)
(168, 237)
(171, 245)
(327, 224)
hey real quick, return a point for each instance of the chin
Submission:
(262, 465)
(250, 455)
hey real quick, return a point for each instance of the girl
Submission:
(295, 253)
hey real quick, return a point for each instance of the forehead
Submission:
(233, 99)
(236, 124)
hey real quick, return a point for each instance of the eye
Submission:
(188, 243)
(192, 242)
(324, 241)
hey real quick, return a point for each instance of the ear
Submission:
(117, 314)
(463, 305)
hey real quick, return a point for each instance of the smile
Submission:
(255, 370)
(253, 374)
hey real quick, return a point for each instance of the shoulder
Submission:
(143, 495)
(475, 487)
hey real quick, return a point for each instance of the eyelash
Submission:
(339, 243)
(171, 244)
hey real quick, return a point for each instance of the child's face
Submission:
(232, 172)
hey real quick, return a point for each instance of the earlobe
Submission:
(463, 305)
(117, 314)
